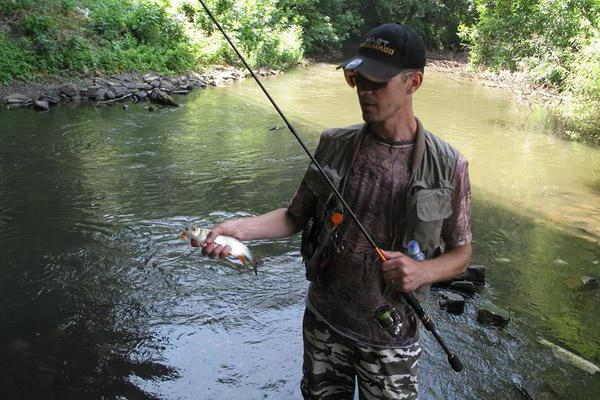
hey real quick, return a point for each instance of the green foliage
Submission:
(582, 112)
(325, 24)
(260, 30)
(436, 20)
(85, 36)
(540, 34)
(54, 37)
(29, 6)
(149, 23)
(281, 50)
(554, 41)
(15, 60)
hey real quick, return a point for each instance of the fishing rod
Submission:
(410, 298)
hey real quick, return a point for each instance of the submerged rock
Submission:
(532, 390)
(41, 105)
(51, 99)
(452, 302)
(490, 314)
(159, 97)
(465, 287)
(474, 273)
(580, 281)
(589, 282)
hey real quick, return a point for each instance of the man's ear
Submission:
(416, 80)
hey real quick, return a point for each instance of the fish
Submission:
(238, 249)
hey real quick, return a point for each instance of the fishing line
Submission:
(408, 297)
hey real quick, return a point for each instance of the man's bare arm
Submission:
(272, 225)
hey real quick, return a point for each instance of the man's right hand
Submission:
(272, 225)
(227, 228)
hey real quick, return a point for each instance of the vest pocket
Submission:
(427, 210)
(433, 204)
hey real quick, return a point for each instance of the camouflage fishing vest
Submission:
(428, 193)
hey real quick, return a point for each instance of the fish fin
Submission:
(246, 261)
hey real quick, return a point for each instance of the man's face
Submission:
(381, 101)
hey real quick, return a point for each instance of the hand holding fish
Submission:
(219, 241)
(212, 248)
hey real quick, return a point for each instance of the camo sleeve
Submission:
(456, 230)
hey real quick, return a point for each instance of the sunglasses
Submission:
(355, 79)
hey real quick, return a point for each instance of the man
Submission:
(404, 184)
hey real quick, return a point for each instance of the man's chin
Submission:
(368, 117)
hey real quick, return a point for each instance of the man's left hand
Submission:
(402, 272)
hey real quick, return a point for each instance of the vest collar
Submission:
(419, 146)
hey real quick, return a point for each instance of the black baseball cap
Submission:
(387, 50)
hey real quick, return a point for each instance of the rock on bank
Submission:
(102, 90)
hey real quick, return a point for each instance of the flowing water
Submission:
(101, 300)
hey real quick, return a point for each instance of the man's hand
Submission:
(402, 272)
(227, 228)
(272, 225)
(405, 274)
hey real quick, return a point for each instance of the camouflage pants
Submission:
(332, 361)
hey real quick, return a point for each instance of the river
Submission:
(100, 299)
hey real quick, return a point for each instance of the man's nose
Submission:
(363, 90)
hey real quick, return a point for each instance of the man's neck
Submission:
(400, 128)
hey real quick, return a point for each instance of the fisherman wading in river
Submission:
(403, 184)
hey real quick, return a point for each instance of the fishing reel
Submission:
(387, 318)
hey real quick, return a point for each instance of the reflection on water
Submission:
(104, 300)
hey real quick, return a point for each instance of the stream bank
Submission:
(111, 89)
(104, 90)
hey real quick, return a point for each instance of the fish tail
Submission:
(247, 262)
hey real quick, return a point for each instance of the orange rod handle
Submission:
(380, 254)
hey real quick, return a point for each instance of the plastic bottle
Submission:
(414, 251)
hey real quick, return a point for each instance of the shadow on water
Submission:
(68, 328)
(102, 300)
(528, 267)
